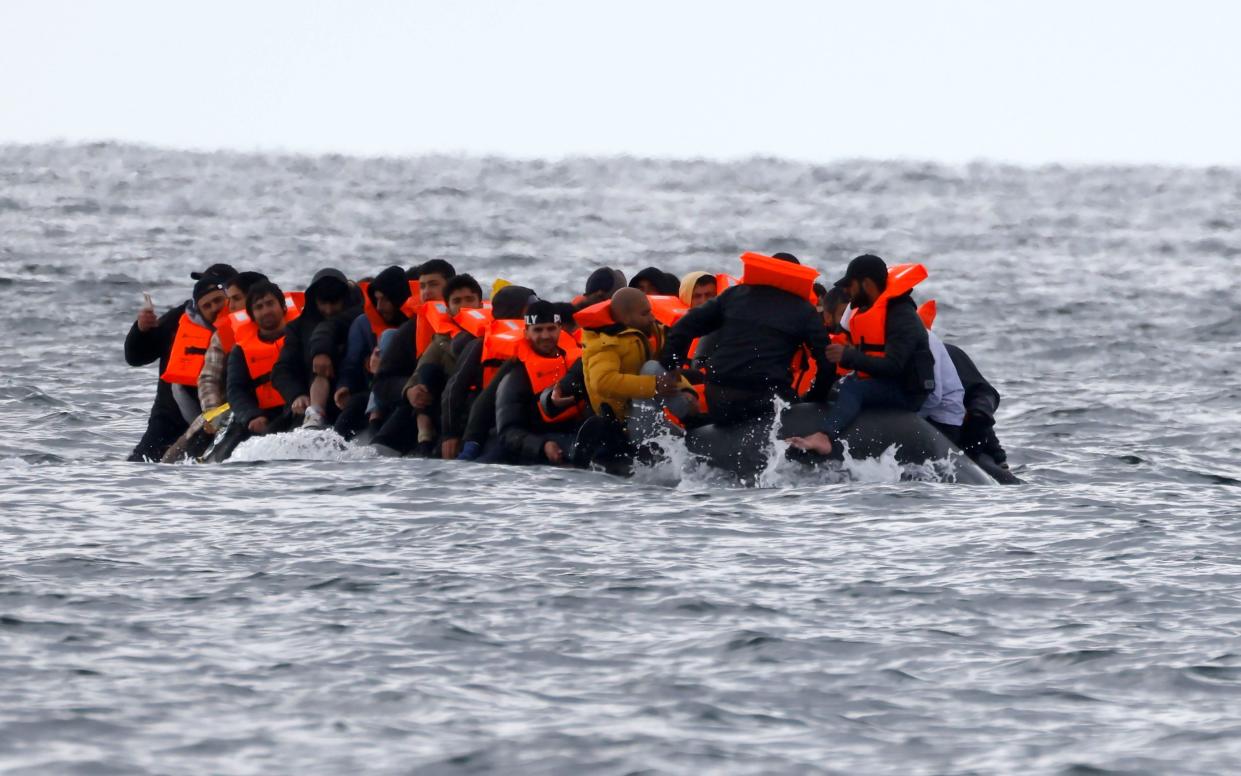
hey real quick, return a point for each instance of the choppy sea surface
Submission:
(310, 609)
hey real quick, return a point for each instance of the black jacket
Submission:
(145, 347)
(907, 357)
(521, 426)
(311, 335)
(981, 402)
(760, 328)
(399, 360)
(241, 389)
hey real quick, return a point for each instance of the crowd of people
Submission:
(424, 361)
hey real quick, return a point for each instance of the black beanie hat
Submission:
(604, 279)
(218, 271)
(205, 286)
(542, 311)
(865, 266)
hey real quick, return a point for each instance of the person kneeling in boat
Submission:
(888, 352)
(258, 408)
(759, 324)
(532, 427)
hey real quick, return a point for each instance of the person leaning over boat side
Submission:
(978, 438)
(307, 364)
(760, 327)
(178, 341)
(533, 428)
(944, 406)
(888, 351)
(211, 380)
(383, 301)
(256, 403)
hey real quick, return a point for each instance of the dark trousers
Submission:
(400, 429)
(727, 405)
(162, 430)
(352, 418)
(856, 395)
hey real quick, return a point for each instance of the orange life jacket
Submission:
(767, 271)
(228, 325)
(667, 309)
(724, 281)
(867, 327)
(499, 345)
(474, 320)
(545, 371)
(927, 312)
(261, 356)
(804, 369)
(189, 350)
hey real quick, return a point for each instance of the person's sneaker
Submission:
(470, 451)
(314, 419)
(424, 449)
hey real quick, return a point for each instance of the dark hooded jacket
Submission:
(311, 335)
(759, 328)
(465, 383)
(907, 357)
(361, 340)
(664, 282)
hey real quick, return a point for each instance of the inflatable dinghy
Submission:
(743, 448)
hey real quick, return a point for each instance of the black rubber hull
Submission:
(742, 449)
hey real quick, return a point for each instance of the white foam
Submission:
(301, 445)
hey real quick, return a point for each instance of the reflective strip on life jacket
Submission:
(474, 320)
(189, 350)
(867, 327)
(261, 356)
(500, 344)
(785, 275)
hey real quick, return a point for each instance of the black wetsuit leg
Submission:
(352, 418)
(400, 430)
(952, 432)
(728, 406)
(163, 429)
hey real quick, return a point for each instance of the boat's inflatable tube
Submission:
(743, 448)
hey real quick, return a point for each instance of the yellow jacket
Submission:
(611, 360)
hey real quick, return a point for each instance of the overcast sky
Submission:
(1030, 82)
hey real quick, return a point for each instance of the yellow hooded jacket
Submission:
(611, 361)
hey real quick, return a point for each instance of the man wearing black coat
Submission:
(151, 339)
(900, 378)
(757, 329)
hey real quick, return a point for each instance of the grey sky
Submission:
(1022, 81)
